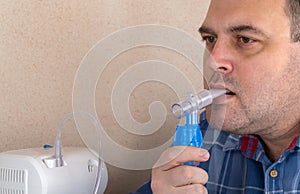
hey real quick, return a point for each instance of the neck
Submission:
(275, 146)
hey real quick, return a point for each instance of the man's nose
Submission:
(222, 56)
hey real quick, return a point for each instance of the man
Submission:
(256, 47)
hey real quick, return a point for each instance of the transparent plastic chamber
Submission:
(196, 102)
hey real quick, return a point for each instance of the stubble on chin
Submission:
(227, 119)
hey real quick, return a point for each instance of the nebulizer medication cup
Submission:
(189, 134)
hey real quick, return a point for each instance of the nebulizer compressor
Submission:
(48, 170)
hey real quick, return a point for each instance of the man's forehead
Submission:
(247, 7)
(246, 3)
(258, 13)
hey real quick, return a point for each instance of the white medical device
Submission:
(26, 172)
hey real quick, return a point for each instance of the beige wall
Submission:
(41, 45)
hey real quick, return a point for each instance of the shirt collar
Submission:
(232, 142)
(298, 142)
(249, 144)
(295, 143)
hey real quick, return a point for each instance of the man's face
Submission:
(249, 40)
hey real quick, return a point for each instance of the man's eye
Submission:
(209, 39)
(246, 40)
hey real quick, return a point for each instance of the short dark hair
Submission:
(293, 12)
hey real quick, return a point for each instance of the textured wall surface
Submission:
(41, 46)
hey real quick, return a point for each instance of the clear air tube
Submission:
(196, 102)
(58, 146)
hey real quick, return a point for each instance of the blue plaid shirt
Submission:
(239, 165)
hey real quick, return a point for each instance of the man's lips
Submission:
(225, 97)
(218, 86)
(229, 92)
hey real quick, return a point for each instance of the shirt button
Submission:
(273, 173)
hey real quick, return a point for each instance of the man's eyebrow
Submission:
(206, 30)
(246, 28)
(234, 29)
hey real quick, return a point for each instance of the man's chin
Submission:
(216, 124)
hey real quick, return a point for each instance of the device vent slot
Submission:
(11, 191)
(13, 181)
(12, 175)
